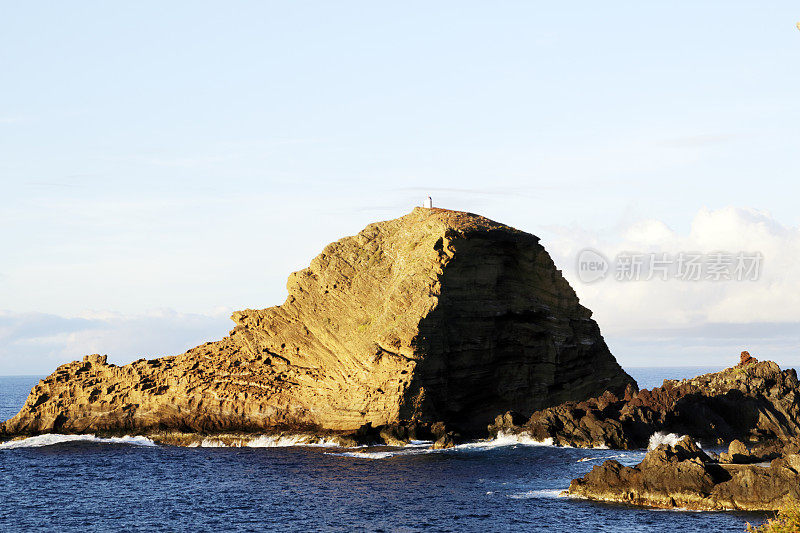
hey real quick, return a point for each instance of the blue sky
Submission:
(165, 163)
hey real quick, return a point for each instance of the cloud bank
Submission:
(674, 322)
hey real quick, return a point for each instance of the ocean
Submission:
(68, 483)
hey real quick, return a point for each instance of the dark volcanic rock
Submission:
(684, 476)
(754, 401)
(436, 316)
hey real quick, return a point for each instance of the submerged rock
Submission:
(436, 316)
(753, 401)
(684, 476)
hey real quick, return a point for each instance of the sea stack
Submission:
(437, 316)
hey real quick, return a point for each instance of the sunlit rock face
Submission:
(435, 316)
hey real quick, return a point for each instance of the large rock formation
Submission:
(753, 401)
(436, 316)
(682, 475)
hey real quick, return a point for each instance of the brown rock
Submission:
(684, 476)
(506, 423)
(747, 359)
(756, 403)
(438, 315)
(738, 454)
(448, 440)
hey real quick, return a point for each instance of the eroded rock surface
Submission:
(686, 477)
(753, 401)
(436, 316)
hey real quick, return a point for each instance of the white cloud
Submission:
(671, 322)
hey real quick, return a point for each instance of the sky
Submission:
(163, 164)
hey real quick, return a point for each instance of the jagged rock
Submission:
(746, 359)
(448, 440)
(776, 447)
(506, 423)
(444, 437)
(738, 454)
(684, 476)
(754, 402)
(436, 316)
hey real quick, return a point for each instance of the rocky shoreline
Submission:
(752, 401)
(399, 434)
(686, 477)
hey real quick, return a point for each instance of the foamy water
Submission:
(656, 439)
(51, 439)
(421, 447)
(659, 437)
(267, 441)
(605, 457)
(535, 494)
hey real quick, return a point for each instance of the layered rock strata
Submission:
(436, 316)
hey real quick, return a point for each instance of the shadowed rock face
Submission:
(436, 316)
(754, 401)
(684, 476)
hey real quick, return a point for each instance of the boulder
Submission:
(738, 454)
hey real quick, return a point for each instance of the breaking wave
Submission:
(544, 493)
(52, 439)
(604, 457)
(509, 439)
(421, 447)
(659, 437)
(266, 441)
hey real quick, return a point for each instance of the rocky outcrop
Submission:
(684, 476)
(753, 401)
(745, 359)
(436, 316)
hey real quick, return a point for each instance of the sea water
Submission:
(86, 483)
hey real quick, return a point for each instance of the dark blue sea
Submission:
(52, 484)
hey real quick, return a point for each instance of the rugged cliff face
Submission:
(436, 316)
(754, 401)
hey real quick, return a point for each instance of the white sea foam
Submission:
(373, 455)
(680, 510)
(659, 437)
(266, 441)
(271, 441)
(545, 493)
(604, 457)
(507, 439)
(420, 447)
(51, 439)
(208, 443)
